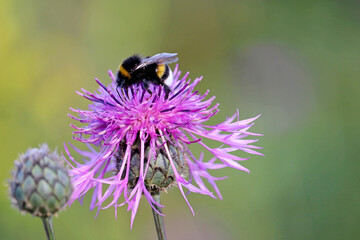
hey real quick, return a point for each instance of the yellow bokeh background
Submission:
(295, 62)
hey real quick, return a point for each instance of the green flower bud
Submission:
(40, 184)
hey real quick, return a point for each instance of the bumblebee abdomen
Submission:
(160, 70)
(163, 71)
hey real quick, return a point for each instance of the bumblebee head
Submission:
(127, 67)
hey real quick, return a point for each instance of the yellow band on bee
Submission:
(124, 72)
(160, 70)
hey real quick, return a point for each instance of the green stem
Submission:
(48, 228)
(158, 219)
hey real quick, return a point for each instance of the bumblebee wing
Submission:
(158, 58)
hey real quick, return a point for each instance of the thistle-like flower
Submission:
(145, 137)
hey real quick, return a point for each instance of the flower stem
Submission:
(47, 221)
(158, 219)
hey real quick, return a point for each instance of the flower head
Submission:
(139, 129)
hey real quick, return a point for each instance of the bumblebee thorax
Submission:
(129, 65)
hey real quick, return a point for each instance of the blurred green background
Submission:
(296, 62)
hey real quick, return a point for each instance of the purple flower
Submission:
(134, 128)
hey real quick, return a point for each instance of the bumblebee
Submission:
(138, 70)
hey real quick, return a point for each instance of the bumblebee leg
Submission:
(145, 84)
(167, 90)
